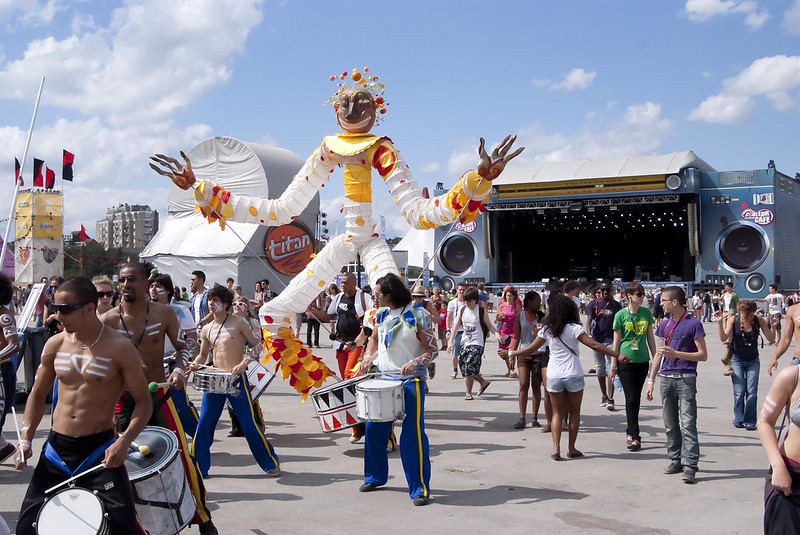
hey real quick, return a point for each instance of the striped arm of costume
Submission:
(463, 202)
(216, 203)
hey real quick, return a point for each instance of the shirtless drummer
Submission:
(146, 324)
(93, 365)
(225, 339)
(791, 329)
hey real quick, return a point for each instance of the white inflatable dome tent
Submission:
(186, 242)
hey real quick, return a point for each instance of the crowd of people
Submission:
(398, 332)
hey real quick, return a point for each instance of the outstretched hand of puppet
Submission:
(180, 173)
(490, 167)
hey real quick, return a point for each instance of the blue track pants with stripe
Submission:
(414, 449)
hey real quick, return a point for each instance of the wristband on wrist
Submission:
(651, 381)
(181, 371)
(24, 442)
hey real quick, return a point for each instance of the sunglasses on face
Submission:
(105, 294)
(240, 305)
(129, 278)
(66, 310)
(638, 294)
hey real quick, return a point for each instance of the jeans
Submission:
(632, 375)
(745, 390)
(706, 312)
(679, 402)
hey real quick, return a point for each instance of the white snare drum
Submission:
(336, 405)
(72, 510)
(380, 400)
(163, 498)
(215, 382)
(259, 378)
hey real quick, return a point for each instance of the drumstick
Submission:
(19, 436)
(144, 449)
(73, 478)
(152, 387)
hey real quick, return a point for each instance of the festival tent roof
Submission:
(417, 242)
(664, 164)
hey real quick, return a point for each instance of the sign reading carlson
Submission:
(289, 248)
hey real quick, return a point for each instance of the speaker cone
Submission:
(742, 246)
(755, 283)
(457, 254)
(447, 284)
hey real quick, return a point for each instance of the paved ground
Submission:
(485, 474)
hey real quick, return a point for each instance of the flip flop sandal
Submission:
(521, 423)
(468, 398)
(483, 388)
(575, 455)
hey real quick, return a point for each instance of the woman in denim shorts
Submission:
(563, 333)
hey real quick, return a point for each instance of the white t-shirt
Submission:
(563, 362)
(453, 308)
(471, 323)
(774, 303)
(404, 344)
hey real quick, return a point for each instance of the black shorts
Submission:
(112, 485)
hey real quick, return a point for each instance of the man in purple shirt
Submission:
(684, 345)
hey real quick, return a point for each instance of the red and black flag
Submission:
(66, 169)
(18, 178)
(49, 178)
(38, 176)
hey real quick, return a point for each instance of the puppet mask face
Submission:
(355, 111)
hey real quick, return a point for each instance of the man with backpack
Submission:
(348, 308)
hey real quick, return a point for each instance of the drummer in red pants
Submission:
(93, 364)
(402, 345)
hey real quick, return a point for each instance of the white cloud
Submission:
(704, 10)
(776, 78)
(791, 19)
(125, 81)
(141, 67)
(28, 12)
(724, 109)
(640, 130)
(431, 167)
(577, 78)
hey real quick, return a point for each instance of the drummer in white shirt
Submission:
(225, 339)
(402, 344)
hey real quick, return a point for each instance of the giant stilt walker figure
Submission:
(359, 104)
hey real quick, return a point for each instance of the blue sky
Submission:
(573, 79)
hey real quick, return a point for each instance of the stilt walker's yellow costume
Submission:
(359, 152)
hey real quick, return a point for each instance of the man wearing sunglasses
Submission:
(600, 314)
(93, 364)
(147, 324)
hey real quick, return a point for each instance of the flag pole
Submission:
(11, 218)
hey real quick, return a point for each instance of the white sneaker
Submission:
(275, 472)
(454, 375)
